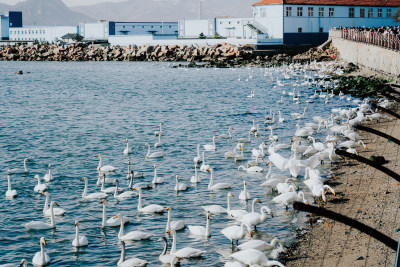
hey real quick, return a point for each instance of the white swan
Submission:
(106, 168)
(179, 186)
(127, 149)
(281, 119)
(235, 232)
(47, 211)
(317, 145)
(175, 225)
(237, 214)
(124, 195)
(129, 173)
(133, 235)
(18, 170)
(165, 257)
(186, 252)
(158, 143)
(254, 257)
(79, 240)
(41, 258)
(110, 189)
(195, 178)
(253, 128)
(303, 132)
(271, 120)
(201, 230)
(218, 186)
(255, 218)
(159, 132)
(227, 136)
(156, 179)
(152, 208)
(204, 167)
(93, 196)
(113, 221)
(289, 197)
(262, 245)
(39, 188)
(10, 193)
(211, 147)
(252, 169)
(149, 155)
(198, 159)
(39, 225)
(231, 154)
(48, 177)
(131, 262)
(239, 157)
(245, 140)
(244, 195)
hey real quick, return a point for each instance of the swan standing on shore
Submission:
(18, 170)
(10, 193)
(236, 232)
(41, 258)
(255, 218)
(79, 240)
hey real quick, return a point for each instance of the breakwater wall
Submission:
(371, 56)
(220, 55)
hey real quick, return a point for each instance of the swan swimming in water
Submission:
(127, 149)
(211, 147)
(47, 211)
(131, 262)
(152, 208)
(48, 177)
(92, 196)
(106, 168)
(18, 170)
(253, 257)
(39, 188)
(133, 235)
(201, 230)
(195, 178)
(156, 179)
(10, 193)
(149, 155)
(114, 221)
(218, 186)
(175, 225)
(41, 258)
(39, 225)
(186, 252)
(79, 240)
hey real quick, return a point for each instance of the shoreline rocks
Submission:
(219, 55)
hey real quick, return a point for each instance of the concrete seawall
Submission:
(371, 56)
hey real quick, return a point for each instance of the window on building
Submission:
(299, 11)
(170, 27)
(351, 12)
(220, 23)
(123, 27)
(263, 12)
(133, 27)
(331, 12)
(389, 13)
(229, 22)
(362, 13)
(237, 22)
(379, 12)
(321, 29)
(288, 11)
(142, 27)
(311, 12)
(36, 31)
(321, 12)
(152, 27)
(299, 29)
(44, 31)
(370, 13)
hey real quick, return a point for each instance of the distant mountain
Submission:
(167, 10)
(46, 12)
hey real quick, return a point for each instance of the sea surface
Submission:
(64, 114)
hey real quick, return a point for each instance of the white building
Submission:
(40, 33)
(225, 27)
(309, 21)
(94, 31)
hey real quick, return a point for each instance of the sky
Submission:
(67, 2)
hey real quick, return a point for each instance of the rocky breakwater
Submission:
(82, 52)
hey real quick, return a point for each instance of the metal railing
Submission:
(387, 40)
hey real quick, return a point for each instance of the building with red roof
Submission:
(308, 21)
